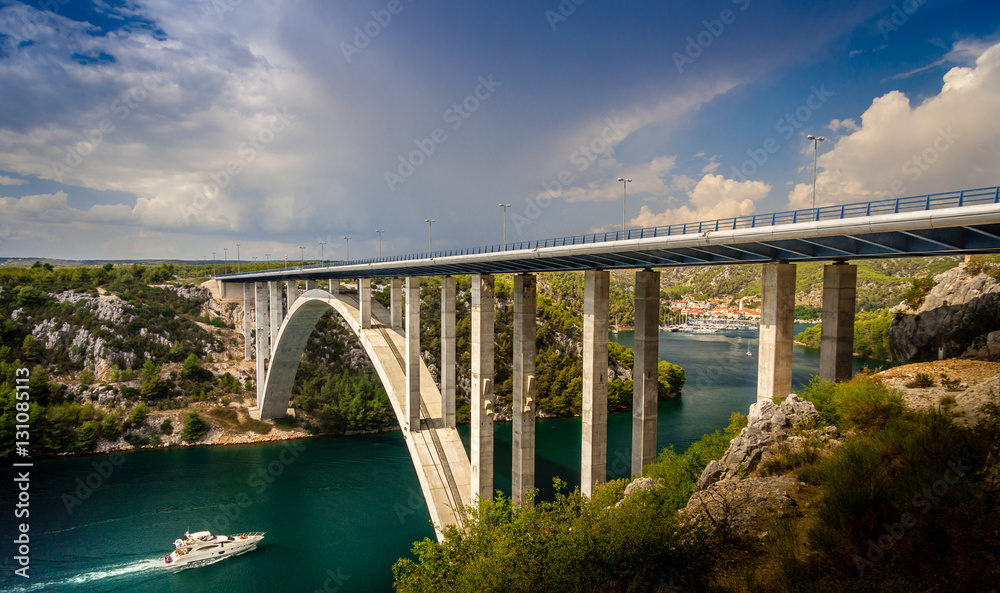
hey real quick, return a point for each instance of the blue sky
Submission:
(172, 129)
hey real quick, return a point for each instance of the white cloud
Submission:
(6, 180)
(714, 196)
(950, 141)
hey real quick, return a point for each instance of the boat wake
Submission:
(101, 574)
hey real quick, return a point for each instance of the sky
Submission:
(180, 128)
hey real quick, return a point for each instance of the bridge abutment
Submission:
(412, 356)
(594, 450)
(836, 350)
(448, 351)
(777, 317)
(645, 370)
(523, 404)
(481, 446)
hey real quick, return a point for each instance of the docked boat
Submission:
(201, 547)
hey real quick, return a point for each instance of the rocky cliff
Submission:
(956, 319)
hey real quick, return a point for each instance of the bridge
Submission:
(952, 223)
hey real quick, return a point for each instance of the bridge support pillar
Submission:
(247, 322)
(334, 286)
(311, 285)
(645, 372)
(523, 404)
(293, 292)
(413, 353)
(365, 302)
(481, 446)
(276, 311)
(593, 467)
(448, 351)
(836, 350)
(777, 315)
(396, 302)
(261, 329)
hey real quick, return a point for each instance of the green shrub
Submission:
(921, 380)
(820, 393)
(867, 404)
(139, 413)
(167, 427)
(111, 426)
(194, 427)
(87, 378)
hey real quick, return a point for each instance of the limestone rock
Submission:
(957, 311)
(642, 484)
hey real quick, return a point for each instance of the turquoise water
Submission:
(338, 512)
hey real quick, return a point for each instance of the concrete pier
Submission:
(645, 373)
(311, 285)
(777, 315)
(334, 286)
(293, 292)
(247, 321)
(594, 449)
(836, 350)
(448, 351)
(481, 446)
(261, 332)
(412, 356)
(523, 400)
(396, 302)
(365, 302)
(277, 311)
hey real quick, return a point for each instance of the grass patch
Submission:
(920, 381)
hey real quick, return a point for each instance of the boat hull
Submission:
(209, 552)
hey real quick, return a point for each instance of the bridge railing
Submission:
(967, 197)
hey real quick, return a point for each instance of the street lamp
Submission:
(267, 258)
(213, 264)
(504, 206)
(237, 258)
(348, 239)
(379, 241)
(255, 263)
(321, 252)
(302, 257)
(430, 233)
(625, 183)
(225, 265)
(816, 140)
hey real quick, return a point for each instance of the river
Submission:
(338, 512)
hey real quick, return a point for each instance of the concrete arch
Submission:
(438, 454)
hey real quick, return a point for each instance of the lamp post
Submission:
(348, 239)
(213, 264)
(267, 266)
(379, 241)
(237, 258)
(302, 256)
(255, 263)
(225, 264)
(816, 140)
(321, 251)
(625, 183)
(504, 206)
(430, 234)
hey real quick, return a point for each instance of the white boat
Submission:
(201, 547)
